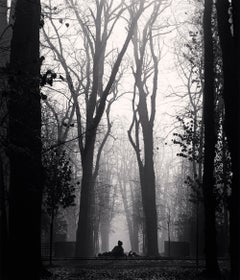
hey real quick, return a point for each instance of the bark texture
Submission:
(230, 44)
(209, 144)
(24, 149)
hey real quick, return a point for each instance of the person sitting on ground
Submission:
(118, 251)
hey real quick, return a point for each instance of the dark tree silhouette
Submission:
(4, 55)
(24, 148)
(230, 43)
(209, 144)
(58, 188)
(95, 110)
(143, 121)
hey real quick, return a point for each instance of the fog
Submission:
(171, 29)
(119, 139)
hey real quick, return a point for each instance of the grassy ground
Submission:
(130, 270)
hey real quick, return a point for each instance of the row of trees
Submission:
(93, 84)
(204, 143)
(89, 91)
(21, 225)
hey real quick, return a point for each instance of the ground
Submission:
(130, 270)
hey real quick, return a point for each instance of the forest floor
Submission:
(133, 269)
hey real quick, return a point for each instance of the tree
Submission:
(146, 67)
(209, 144)
(95, 24)
(24, 148)
(106, 200)
(95, 109)
(3, 158)
(126, 170)
(58, 190)
(229, 41)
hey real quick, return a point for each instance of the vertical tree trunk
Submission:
(4, 165)
(235, 207)
(144, 116)
(123, 182)
(51, 238)
(96, 226)
(135, 222)
(209, 144)
(150, 214)
(148, 189)
(3, 227)
(106, 216)
(147, 174)
(135, 244)
(230, 43)
(169, 239)
(24, 148)
(84, 238)
(96, 105)
(104, 233)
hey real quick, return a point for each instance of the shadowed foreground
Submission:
(131, 269)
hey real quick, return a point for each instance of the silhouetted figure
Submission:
(118, 251)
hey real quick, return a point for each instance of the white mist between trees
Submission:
(170, 42)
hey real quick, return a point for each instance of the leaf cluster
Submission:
(188, 140)
(47, 78)
(58, 189)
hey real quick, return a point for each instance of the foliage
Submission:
(191, 149)
(223, 170)
(58, 189)
(187, 139)
(47, 78)
(222, 163)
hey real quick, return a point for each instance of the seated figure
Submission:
(118, 251)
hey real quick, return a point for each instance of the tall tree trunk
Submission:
(135, 244)
(105, 217)
(235, 230)
(169, 238)
(104, 233)
(150, 215)
(84, 239)
(149, 212)
(3, 227)
(5, 35)
(230, 44)
(209, 144)
(24, 148)
(96, 100)
(51, 237)
(123, 183)
(3, 220)
(147, 174)
(135, 224)
(148, 182)
(145, 111)
(95, 239)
